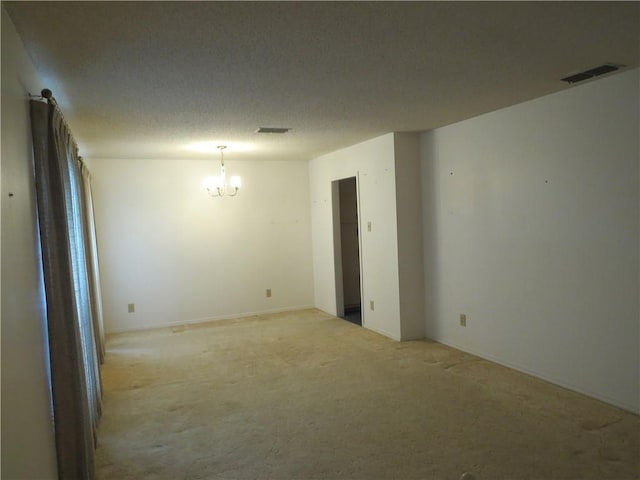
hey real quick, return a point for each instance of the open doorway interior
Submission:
(349, 251)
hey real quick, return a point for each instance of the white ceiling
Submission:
(147, 79)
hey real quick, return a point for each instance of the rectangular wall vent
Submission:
(272, 130)
(592, 72)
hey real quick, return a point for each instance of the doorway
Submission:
(347, 250)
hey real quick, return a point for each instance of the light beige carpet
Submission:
(304, 395)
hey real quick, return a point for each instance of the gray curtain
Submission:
(70, 289)
(92, 263)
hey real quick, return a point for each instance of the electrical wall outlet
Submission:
(463, 320)
(371, 305)
(131, 308)
(268, 293)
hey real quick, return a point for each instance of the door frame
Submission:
(337, 245)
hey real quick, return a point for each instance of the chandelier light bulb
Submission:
(235, 182)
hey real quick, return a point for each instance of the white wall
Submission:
(531, 228)
(390, 254)
(28, 447)
(374, 163)
(181, 256)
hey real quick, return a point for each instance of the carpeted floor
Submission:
(304, 395)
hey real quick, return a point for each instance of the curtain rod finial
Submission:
(46, 93)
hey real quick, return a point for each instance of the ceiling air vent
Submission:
(272, 130)
(592, 72)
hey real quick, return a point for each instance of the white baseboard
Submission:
(569, 386)
(194, 321)
(382, 332)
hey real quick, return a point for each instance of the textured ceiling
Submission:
(147, 79)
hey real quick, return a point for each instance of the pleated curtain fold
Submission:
(72, 289)
(92, 261)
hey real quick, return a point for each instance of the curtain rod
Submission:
(46, 94)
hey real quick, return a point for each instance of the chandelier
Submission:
(217, 186)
